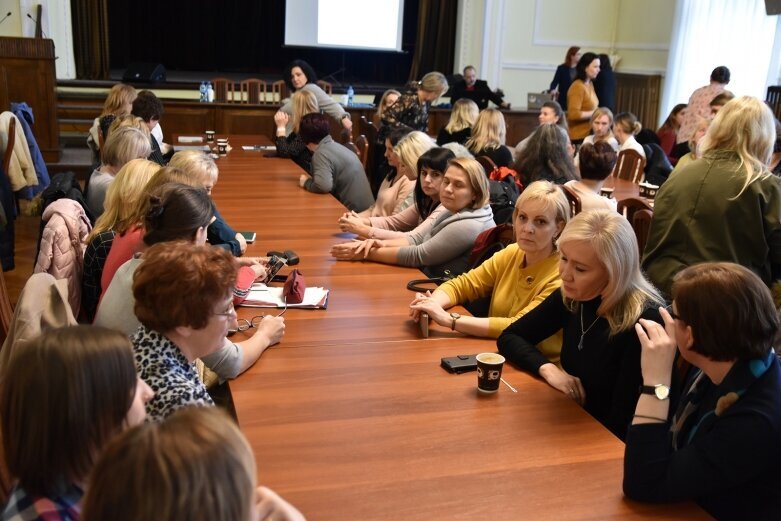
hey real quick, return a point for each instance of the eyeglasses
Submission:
(242, 324)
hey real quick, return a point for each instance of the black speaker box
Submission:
(144, 73)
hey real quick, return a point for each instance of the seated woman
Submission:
(488, 137)
(668, 132)
(176, 213)
(411, 109)
(582, 98)
(184, 319)
(290, 145)
(422, 213)
(459, 126)
(625, 128)
(551, 113)
(123, 146)
(603, 293)
(149, 108)
(64, 396)
(547, 157)
(203, 168)
(725, 448)
(299, 75)
(395, 193)
(602, 128)
(123, 202)
(516, 278)
(205, 454)
(596, 164)
(119, 102)
(447, 244)
(389, 97)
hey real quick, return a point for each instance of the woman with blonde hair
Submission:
(205, 454)
(411, 109)
(459, 126)
(289, 144)
(725, 206)
(203, 168)
(389, 97)
(603, 294)
(625, 129)
(125, 144)
(515, 279)
(65, 395)
(488, 137)
(119, 102)
(409, 149)
(446, 245)
(602, 128)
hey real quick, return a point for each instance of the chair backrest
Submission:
(368, 129)
(278, 91)
(224, 90)
(9, 148)
(353, 147)
(253, 91)
(639, 214)
(575, 206)
(362, 144)
(326, 86)
(630, 165)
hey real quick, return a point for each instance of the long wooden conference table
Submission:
(350, 417)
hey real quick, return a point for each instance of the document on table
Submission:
(262, 296)
(203, 148)
(190, 139)
(259, 148)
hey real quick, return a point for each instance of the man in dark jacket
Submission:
(477, 90)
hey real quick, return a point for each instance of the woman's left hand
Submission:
(658, 348)
(425, 303)
(347, 251)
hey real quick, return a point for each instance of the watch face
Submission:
(455, 315)
(662, 392)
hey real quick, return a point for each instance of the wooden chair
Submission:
(352, 146)
(224, 90)
(253, 91)
(278, 91)
(362, 144)
(575, 206)
(630, 165)
(326, 86)
(639, 214)
(367, 128)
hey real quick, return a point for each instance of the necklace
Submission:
(584, 331)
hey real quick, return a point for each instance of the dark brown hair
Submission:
(65, 394)
(179, 283)
(147, 106)
(175, 212)
(196, 465)
(729, 309)
(596, 160)
(583, 64)
(314, 127)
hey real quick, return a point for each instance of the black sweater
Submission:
(608, 367)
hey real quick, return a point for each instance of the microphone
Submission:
(36, 23)
(6, 16)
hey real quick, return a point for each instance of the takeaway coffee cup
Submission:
(489, 371)
(209, 136)
(222, 149)
(606, 192)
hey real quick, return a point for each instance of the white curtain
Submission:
(709, 33)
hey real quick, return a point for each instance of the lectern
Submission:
(27, 74)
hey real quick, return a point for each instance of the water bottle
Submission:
(209, 92)
(350, 95)
(202, 90)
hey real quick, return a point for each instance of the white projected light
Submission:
(343, 24)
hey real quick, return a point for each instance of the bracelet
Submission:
(656, 418)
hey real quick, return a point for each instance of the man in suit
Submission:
(477, 90)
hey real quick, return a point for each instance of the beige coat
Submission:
(21, 170)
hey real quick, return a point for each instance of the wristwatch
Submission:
(454, 317)
(661, 391)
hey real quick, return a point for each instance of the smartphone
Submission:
(460, 364)
(249, 236)
(275, 264)
(423, 321)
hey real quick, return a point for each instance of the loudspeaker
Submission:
(144, 73)
(773, 7)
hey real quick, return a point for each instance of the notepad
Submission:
(262, 296)
(203, 148)
(190, 139)
(259, 148)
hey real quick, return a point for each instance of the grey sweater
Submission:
(448, 243)
(337, 170)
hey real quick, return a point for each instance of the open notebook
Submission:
(262, 296)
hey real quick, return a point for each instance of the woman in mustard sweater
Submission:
(517, 278)
(581, 98)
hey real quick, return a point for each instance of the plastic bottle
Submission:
(209, 92)
(350, 95)
(202, 90)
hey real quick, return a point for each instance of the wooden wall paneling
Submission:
(188, 118)
(640, 95)
(244, 120)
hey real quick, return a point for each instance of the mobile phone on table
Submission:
(275, 263)
(249, 236)
(460, 364)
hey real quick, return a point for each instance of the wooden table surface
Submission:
(351, 417)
